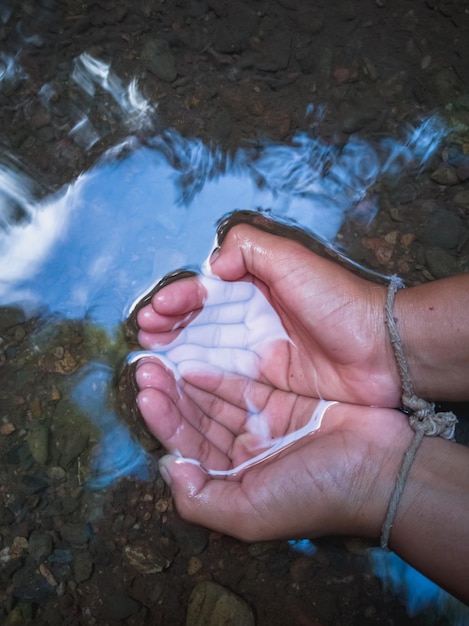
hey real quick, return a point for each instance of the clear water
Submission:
(91, 250)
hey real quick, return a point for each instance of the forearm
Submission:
(433, 321)
(431, 528)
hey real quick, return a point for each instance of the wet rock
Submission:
(159, 60)
(445, 175)
(30, 584)
(310, 19)
(383, 250)
(275, 52)
(38, 442)
(10, 316)
(119, 606)
(192, 540)
(40, 545)
(232, 33)
(462, 170)
(7, 429)
(82, 566)
(76, 534)
(211, 604)
(63, 363)
(462, 198)
(440, 263)
(195, 565)
(71, 443)
(393, 86)
(20, 615)
(222, 125)
(6, 516)
(151, 558)
(443, 230)
(61, 555)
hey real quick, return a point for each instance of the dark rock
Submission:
(440, 263)
(30, 584)
(275, 52)
(40, 545)
(119, 606)
(76, 534)
(233, 33)
(61, 555)
(445, 175)
(443, 230)
(82, 566)
(10, 316)
(159, 60)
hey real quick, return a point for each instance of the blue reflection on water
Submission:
(418, 592)
(118, 454)
(91, 250)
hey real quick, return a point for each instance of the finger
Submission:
(180, 297)
(247, 250)
(150, 320)
(221, 505)
(173, 425)
(247, 406)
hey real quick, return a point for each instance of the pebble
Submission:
(119, 606)
(40, 545)
(443, 230)
(82, 566)
(10, 316)
(76, 534)
(159, 60)
(462, 198)
(445, 175)
(151, 559)
(38, 441)
(29, 584)
(440, 263)
(211, 604)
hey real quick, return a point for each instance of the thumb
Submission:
(217, 504)
(249, 250)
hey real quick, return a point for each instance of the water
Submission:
(92, 249)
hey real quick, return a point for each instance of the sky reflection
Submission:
(91, 250)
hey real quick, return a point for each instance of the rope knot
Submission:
(422, 417)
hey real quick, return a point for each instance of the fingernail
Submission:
(165, 475)
(214, 256)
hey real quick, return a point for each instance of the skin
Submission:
(339, 479)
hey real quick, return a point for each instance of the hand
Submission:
(336, 480)
(339, 349)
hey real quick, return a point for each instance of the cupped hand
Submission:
(333, 480)
(337, 346)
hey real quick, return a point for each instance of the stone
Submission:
(76, 534)
(440, 263)
(38, 442)
(159, 60)
(40, 545)
(211, 604)
(29, 584)
(82, 566)
(445, 175)
(149, 558)
(443, 230)
(119, 606)
(462, 198)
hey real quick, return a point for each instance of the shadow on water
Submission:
(88, 252)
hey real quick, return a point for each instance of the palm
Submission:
(312, 344)
(295, 492)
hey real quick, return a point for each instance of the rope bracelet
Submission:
(422, 417)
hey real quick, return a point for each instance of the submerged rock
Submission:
(211, 604)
